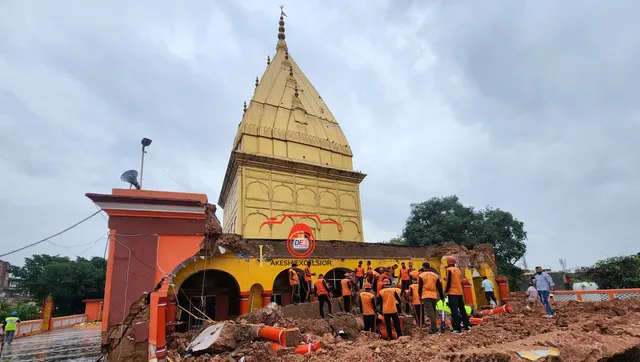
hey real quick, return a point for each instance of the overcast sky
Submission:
(528, 106)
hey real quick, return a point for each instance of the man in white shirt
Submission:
(488, 291)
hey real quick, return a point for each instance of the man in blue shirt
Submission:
(544, 285)
(488, 291)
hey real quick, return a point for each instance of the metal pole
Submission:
(142, 166)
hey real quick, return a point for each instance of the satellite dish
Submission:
(131, 177)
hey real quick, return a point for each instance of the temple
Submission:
(290, 156)
(172, 266)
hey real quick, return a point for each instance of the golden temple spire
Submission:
(281, 36)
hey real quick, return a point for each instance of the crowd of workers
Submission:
(419, 292)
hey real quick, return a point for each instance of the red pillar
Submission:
(503, 285)
(467, 290)
(244, 303)
(266, 297)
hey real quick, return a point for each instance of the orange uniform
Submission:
(293, 277)
(414, 274)
(320, 289)
(346, 288)
(367, 303)
(404, 274)
(454, 281)
(307, 274)
(429, 285)
(390, 298)
(415, 295)
(359, 272)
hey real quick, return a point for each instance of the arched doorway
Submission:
(214, 292)
(333, 278)
(255, 297)
(282, 289)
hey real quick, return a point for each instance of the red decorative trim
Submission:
(244, 295)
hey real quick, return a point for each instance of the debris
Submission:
(534, 355)
(217, 337)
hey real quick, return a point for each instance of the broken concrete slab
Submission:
(219, 337)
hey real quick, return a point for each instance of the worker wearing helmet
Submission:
(9, 326)
(368, 307)
(453, 290)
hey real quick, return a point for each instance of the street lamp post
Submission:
(145, 143)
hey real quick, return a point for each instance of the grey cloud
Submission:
(528, 107)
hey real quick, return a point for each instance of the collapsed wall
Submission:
(271, 249)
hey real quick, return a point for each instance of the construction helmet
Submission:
(451, 260)
(14, 313)
(386, 283)
(367, 286)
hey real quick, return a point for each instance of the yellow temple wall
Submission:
(249, 272)
(264, 193)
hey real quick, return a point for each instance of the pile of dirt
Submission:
(128, 340)
(582, 332)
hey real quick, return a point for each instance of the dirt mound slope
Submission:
(582, 332)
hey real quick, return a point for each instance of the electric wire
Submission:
(168, 174)
(52, 236)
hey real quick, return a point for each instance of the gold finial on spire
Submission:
(244, 110)
(268, 59)
(286, 54)
(281, 27)
(291, 70)
(257, 82)
(295, 91)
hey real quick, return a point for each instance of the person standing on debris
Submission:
(532, 295)
(359, 275)
(416, 303)
(488, 291)
(294, 281)
(368, 308)
(405, 280)
(544, 285)
(322, 293)
(9, 326)
(453, 290)
(346, 285)
(381, 278)
(430, 289)
(369, 268)
(389, 300)
(307, 280)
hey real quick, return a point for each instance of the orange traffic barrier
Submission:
(309, 338)
(502, 309)
(475, 321)
(300, 349)
(306, 348)
(274, 334)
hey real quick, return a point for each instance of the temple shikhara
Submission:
(172, 265)
(290, 156)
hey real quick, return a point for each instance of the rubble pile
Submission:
(582, 332)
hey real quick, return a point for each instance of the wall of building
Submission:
(232, 204)
(269, 193)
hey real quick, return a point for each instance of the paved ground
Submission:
(69, 344)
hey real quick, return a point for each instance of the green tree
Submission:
(619, 272)
(68, 281)
(441, 220)
(26, 310)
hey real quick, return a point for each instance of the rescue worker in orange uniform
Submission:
(405, 281)
(294, 282)
(416, 302)
(322, 293)
(359, 275)
(453, 290)
(307, 281)
(346, 285)
(430, 289)
(384, 275)
(368, 308)
(369, 265)
(389, 301)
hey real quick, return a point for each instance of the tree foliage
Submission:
(26, 310)
(68, 281)
(441, 220)
(619, 272)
